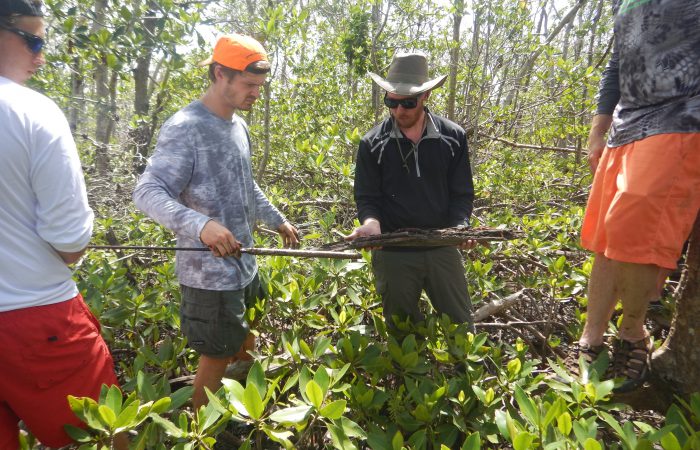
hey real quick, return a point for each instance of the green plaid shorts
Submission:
(214, 321)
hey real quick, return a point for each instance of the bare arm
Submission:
(70, 257)
(596, 138)
(608, 97)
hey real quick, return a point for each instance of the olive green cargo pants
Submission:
(401, 276)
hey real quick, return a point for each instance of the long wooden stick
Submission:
(249, 250)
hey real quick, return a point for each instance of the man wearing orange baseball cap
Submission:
(199, 184)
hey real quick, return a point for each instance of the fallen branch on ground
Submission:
(496, 306)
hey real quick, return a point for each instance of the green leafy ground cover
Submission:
(327, 373)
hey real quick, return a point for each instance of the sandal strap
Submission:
(589, 353)
(630, 359)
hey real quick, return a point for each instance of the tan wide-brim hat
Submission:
(408, 75)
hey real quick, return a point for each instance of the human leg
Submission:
(211, 370)
(602, 297)
(209, 374)
(661, 278)
(637, 284)
(642, 204)
(643, 225)
(215, 326)
(634, 284)
(446, 284)
(243, 353)
(253, 292)
(121, 442)
(399, 278)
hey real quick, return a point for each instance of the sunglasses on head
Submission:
(34, 43)
(407, 103)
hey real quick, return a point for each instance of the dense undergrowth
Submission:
(327, 373)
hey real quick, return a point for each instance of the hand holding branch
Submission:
(220, 240)
(370, 227)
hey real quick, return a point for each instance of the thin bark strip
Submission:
(311, 253)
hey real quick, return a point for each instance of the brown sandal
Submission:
(631, 363)
(590, 355)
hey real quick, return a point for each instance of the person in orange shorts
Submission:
(646, 189)
(50, 343)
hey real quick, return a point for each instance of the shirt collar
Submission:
(431, 131)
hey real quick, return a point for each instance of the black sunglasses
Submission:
(34, 43)
(407, 103)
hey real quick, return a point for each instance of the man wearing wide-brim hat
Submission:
(413, 171)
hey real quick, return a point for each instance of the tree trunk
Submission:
(77, 89)
(140, 136)
(677, 362)
(454, 58)
(266, 126)
(471, 118)
(583, 116)
(160, 101)
(102, 96)
(485, 52)
(527, 67)
(376, 31)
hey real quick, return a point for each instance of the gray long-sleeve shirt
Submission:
(200, 171)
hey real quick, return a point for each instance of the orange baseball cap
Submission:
(236, 51)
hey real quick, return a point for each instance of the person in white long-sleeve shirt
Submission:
(50, 342)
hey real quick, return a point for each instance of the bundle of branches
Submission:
(414, 237)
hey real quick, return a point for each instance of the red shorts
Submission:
(644, 200)
(48, 352)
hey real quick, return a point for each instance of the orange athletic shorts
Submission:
(46, 353)
(644, 200)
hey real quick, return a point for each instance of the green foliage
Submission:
(329, 375)
(356, 41)
(684, 422)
